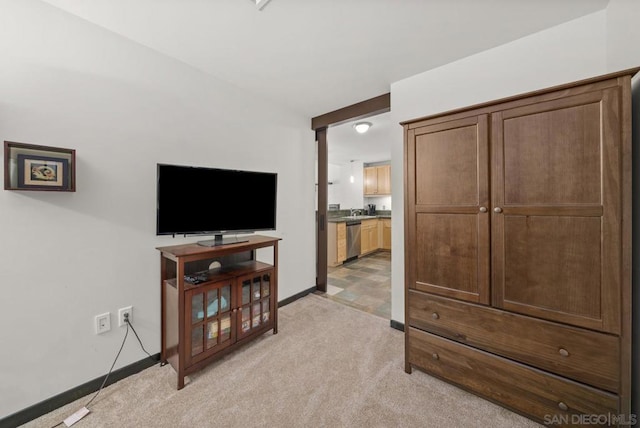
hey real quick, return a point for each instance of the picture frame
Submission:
(35, 167)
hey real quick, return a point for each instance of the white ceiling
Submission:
(345, 144)
(318, 56)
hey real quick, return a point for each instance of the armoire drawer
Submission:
(536, 393)
(579, 354)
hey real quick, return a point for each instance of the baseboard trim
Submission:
(397, 325)
(296, 296)
(57, 401)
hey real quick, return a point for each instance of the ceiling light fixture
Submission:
(362, 127)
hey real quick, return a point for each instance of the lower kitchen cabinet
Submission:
(385, 226)
(369, 236)
(336, 243)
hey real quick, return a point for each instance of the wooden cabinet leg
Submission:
(180, 382)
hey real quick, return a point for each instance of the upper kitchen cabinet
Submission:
(377, 180)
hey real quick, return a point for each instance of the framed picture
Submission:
(32, 167)
(43, 172)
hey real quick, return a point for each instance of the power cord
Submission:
(126, 320)
(128, 324)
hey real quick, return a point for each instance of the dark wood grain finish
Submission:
(370, 107)
(553, 156)
(185, 344)
(447, 255)
(448, 209)
(610, 80)
(579, 354)
(558, 229)
(516, 386)
(553, 268)
(322, 240)
(447, 167)
(626, 246)
(549, 159)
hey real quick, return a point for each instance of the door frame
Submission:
(320, 124)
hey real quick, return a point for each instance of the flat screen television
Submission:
(198, 200)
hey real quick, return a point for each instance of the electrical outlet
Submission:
(126, 310)
(103, 323)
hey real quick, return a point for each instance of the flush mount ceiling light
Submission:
(362, 127)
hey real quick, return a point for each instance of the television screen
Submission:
(193, 200)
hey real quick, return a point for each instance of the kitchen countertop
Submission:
(358, 217)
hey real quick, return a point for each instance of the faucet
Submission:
(354, 212)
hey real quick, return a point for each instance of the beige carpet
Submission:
(329, 366)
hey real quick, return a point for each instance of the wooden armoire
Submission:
(518, 250)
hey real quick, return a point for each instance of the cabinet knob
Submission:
(435, 316)
(563, 352)
(497, 210)
(563, 406)
(483, 209)
(435, 356)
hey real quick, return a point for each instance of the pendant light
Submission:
(352, 179)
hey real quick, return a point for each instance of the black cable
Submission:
(107, 376)
(124, 340)
(138, 337)
(111, 369)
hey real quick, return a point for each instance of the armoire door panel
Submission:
(553, 267)
(450, 255)
(447, 206)
(553, 157)
(447, 167)
(556, 230)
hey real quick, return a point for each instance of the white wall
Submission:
(562, 54)
(381, 202)
(352, 192)
(66, 257)
(623, 51)
(623, 34)
(343, 191)
(334, 191)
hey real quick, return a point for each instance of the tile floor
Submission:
(364, 284)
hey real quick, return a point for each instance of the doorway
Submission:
(364, 280)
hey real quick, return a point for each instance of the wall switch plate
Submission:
(121, 312)
(103, 323)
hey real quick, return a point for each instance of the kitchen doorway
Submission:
(358, 277)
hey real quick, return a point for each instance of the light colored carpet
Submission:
(329, 366)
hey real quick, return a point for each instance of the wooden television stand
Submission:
(207, 308)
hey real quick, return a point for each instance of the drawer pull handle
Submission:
(435, 356)
(483, 209)
(497, 210)
(435, 316)
(563, 406)
(563, 352)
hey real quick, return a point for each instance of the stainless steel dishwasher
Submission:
(353, 239)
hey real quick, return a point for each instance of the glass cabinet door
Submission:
(255, 313)
(209, 319)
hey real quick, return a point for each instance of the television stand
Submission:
(229, 306)
(220, 240)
